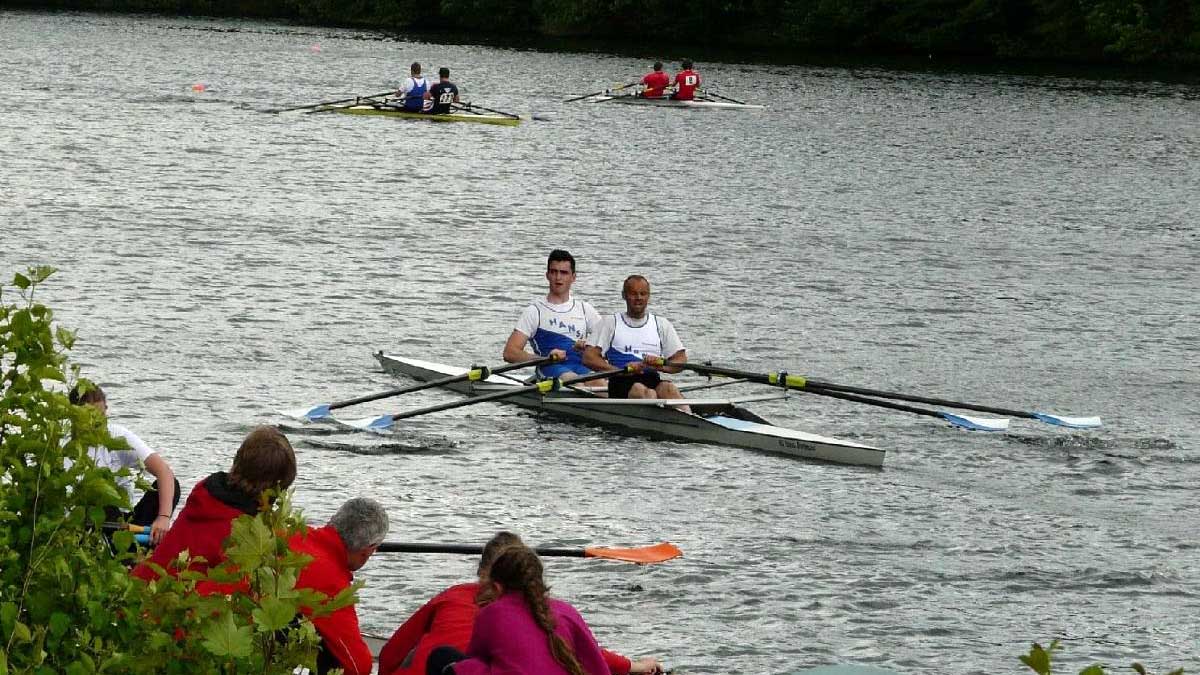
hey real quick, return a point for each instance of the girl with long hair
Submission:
(523, 630)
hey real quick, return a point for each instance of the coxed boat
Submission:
(665, 102)
(461, 115)
(716, 421)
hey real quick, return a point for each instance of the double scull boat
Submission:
(717, 421)
(666, 102)
(459, 115)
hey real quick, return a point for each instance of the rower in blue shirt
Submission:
(412, 91)
(557, 325)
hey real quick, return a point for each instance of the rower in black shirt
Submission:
(443, 93)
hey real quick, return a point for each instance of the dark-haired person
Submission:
(447, 620)
(555, 326)
(443, 94)
(523, 631)
(411, 95)
(636, 337)
(654, 84)
(264, 461)
(338, 550)
(158, 503)
(686, 82)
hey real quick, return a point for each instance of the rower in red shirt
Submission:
(686, 82)
(655, 83)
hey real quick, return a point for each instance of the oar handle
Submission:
(476, 373)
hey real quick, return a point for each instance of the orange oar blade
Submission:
(645, 555)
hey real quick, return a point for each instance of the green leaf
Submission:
(274, 614)
(1136, 666)
(59, 623)
(21, 632)
(3, 662)
(8, 614)
(250, 542)
(1094, 670)
(1037, 660)
(225, 639)
(20, 281)
(41, 273)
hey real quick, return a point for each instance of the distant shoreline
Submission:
(1082, 43)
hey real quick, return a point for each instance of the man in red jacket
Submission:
(654, 83)
(338, 550)
(686, 82)
(264, 461)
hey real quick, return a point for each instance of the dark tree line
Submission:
(1127, 31)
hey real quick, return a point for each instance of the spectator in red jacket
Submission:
(264, 461)
(449, 617)
(338, 550)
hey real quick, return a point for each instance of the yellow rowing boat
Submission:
(462, 114)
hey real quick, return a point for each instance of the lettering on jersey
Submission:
(565, 327)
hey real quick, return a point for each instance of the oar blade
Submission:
(317, 412)
(1070, 422)
(379, 424)
(643, 555)
(973, 423)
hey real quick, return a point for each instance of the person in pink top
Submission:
(523, 631)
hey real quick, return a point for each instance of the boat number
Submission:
(446, 97)
(690, 80)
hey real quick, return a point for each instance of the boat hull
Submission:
(717, 424)
(449, 117)
(671, 103)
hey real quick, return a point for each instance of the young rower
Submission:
(636, 336)
(158, 503)
(521, 630)
(449, 617)
(442, 94)
(556, 326)
(655, 82)
(265, 460)
(411, 95)
(686, 81)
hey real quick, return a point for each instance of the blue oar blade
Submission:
(318, 412)
(975, 423)
(380, 424)
(1071, 422)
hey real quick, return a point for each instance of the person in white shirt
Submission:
(556, 326)
(157, 505)
(412, 93)
(630, 339)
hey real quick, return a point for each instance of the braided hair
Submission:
(518, 569)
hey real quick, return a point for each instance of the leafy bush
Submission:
(1038, 659)
(67, 602)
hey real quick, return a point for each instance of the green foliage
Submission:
(67, 602)
(1039, 661)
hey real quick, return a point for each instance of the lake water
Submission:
(1028, 242)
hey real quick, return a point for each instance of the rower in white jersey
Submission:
(556, 326)
(640, 338)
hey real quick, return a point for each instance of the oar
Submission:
(602, 91)
(472, 106)
(962, 421)
(731, 100)
(385, 422)
(475, 374)
(345, 100)
(642, 554)
(798, 382)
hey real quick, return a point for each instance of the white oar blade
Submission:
(1071, 422)
(379, 425)
(318, 412)
(976, 423)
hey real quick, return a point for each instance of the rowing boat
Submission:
(709, 103)
(716, 421)
(461, 115)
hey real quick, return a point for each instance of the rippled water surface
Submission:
(1025, 242)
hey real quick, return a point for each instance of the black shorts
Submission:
(619, 385)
